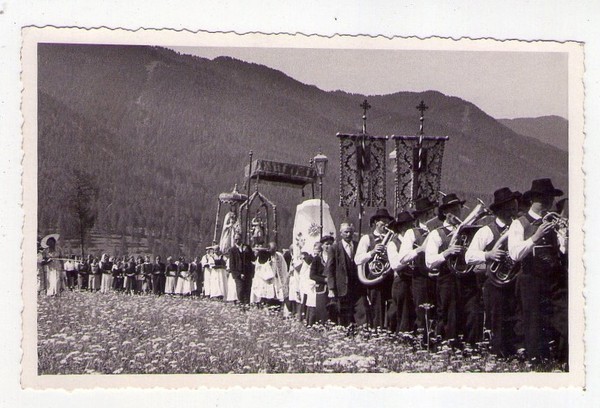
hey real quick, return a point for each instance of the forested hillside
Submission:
(163, 134)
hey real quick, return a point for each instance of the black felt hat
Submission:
(448, 201)
(422, 205)
(381, 214)
(402, 218)
(542, 187)
(503, 196)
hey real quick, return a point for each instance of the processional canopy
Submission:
(233, 197)
(292, 175)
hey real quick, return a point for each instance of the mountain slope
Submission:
(166, 133)
(552, 130)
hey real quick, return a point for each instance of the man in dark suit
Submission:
(241, 268)
(343, 282)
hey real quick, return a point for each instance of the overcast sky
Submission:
(503, 84)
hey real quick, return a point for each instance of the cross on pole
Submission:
(422, 108)
(366, 106)
(420, 151)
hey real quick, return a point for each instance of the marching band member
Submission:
(380, 290)
(412, 251)
(499, 298)
(542, 283)
(401, 312)
(437, 251)
(343, 282)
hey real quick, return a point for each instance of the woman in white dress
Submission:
(106, 264)
(294, 286)
(52, 264)
(218, 284)
(266, 284)
(184, 278)
(308, 293)
(231, 288)
(207, 262)
(171, 273)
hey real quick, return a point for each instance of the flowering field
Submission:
(114, 333)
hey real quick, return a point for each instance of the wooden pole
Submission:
(248, 198)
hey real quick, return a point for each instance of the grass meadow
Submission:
(114, 333)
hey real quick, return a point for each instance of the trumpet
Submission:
(556, 220)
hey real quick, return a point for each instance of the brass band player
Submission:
(401, 313)
(412, 251)
(499, 296)
(542, 283)
(369, 246)
(437, 252)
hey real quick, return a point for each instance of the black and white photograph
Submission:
(265, 207)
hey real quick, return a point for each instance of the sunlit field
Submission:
(87, 333)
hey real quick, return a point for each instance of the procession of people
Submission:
(419, 272)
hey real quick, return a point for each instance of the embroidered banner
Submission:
(362, 170)
(418, 170)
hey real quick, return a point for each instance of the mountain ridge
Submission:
(181, 128)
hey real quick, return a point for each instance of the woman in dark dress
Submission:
(317, 274)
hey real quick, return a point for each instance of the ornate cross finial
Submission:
(422, 108)
(366, 106)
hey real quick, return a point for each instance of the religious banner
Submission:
(307, 228)
(418, 168)
(362, 170)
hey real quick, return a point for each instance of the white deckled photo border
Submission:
(30, 378)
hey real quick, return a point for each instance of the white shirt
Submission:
(433, 258)
(362, 251)
(519, 248)
(475, 254)
(393, 254)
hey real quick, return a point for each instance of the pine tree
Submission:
(82, 204)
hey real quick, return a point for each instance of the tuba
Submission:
(463, 235)
(371, 273)
(504, 271)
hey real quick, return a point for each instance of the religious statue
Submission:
(257, 230)
(231, 226)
